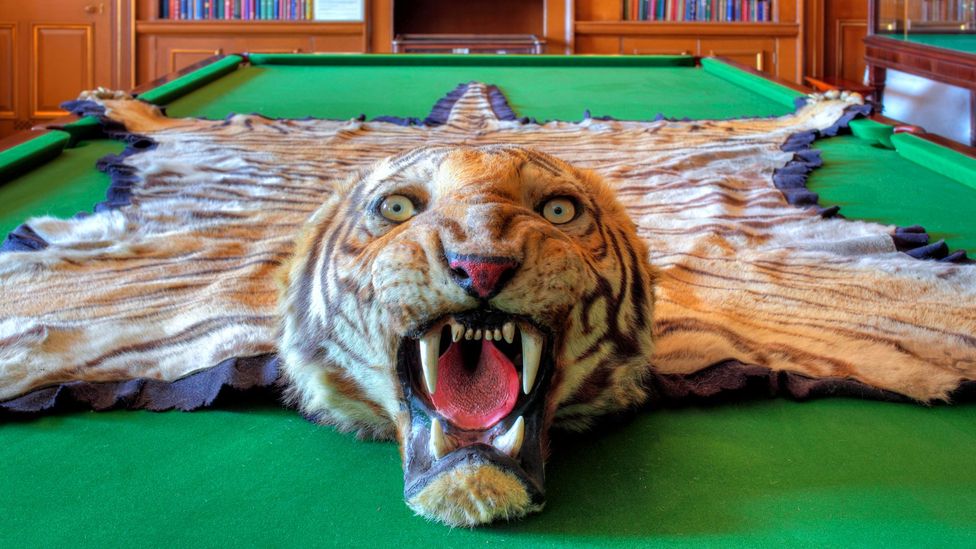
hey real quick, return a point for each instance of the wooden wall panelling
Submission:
(559, 17)
(336, 43)
(275, 44)
(758, 53)
(789, 60)
(814, 39)
(167, 46)
(845, 26)
(601, 10)
(593, 44)
(8, 77)
(125, 40)
(848, 45)
(52, 50)
(379, 24)
(835, 39)
(789, 10)
(659, 45)
(162, 55)
(63, 64)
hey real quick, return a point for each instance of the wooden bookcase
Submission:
(773, 47)
(163, 46)
(568, 26)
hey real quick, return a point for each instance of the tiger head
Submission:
(464, 300)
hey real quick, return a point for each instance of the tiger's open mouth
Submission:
(474, 385)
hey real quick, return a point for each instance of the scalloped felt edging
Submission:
(197, 390)
(734, 379)
(792, 179)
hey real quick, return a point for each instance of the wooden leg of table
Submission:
(876, 79)
(972, 118)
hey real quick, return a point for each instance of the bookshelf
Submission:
(164, 45)
(773, 46)
(153, 46)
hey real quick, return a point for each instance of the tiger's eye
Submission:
(559, 210)
(397, 207)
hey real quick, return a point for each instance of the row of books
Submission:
(236, 9)
(699, 10)
(281, 10)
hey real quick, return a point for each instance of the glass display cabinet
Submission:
(948, 24)
(932, 39)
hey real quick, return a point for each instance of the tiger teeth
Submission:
(532, 344)
(508, 330)
(511, 442)
(438, 444)
(430, 345)
(531, 353)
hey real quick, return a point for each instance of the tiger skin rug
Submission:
(465, 282)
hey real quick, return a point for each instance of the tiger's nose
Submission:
(481, 276)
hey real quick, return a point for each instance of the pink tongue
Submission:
(475, 398)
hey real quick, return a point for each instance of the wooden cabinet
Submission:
(772, 47)
(163, 46)
(756, 52)
(51, 50)
(167, 46)
(652, 45)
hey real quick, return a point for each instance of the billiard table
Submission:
(831, 472)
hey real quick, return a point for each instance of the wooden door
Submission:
(49, 51)
(845, 26)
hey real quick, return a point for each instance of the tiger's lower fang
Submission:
(511, 442)
(438, 444)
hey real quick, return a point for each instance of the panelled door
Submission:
(49, 51)
(845, 24)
